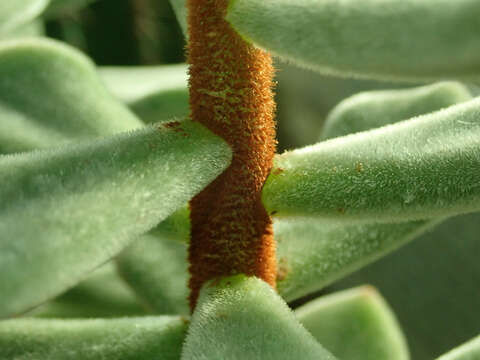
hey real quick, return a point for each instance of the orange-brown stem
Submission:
(231, 94)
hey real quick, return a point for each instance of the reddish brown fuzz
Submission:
(231, 94)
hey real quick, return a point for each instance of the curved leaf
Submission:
(154, 93)
(50, 93)
(355, 324)
(372, 109)
(65, 211)
(35, 28)
(145, 338)
(243, 318)
(410, 39)
(312, 254)
(102, 294)
(156, 268)
(420, 168)
(18, 12)
(180, 8)
(467, 351)
(431, 286)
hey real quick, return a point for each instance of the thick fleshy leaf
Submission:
(312, 253)
(420, 168)
(15, 13)
(180, 8)
(50, 93)
(243, 318)
(467, 351)
(103, 294)
(428, 39)
(156, 268)
(32, 29)
(431, 284)
(65, 211)
(145, 338)
(372, 109)
(355, 324)
(154, 93)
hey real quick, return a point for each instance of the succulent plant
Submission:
(98, 166)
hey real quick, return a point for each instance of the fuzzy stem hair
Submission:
(231, 93)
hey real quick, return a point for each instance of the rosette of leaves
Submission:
(95, 175)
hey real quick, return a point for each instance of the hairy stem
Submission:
(231, 93)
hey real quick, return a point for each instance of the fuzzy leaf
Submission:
(355, 324)
(102, 294)
(372, 109)
(416, 169)
(391, 39)
(312, 254)
(180, 8)
(156, 268)
(65, 211)
(468, 351)
(154, 93)
(50, 93)
(14, 13)
(145, 338)
(243, 318)
(32, 29)
(431, 286)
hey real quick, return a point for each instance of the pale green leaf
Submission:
(372, 109)
(65, 211)
(156, 268)
(145, 338)
(420, 168)
(243, 318)
(180, 8)
(102, 294)
(50, 93)
(32, 29)
(355, 324)
(15, 13)
(154, 93)
(467, 351)
(387, 39)
(312, 253)
(431, 286)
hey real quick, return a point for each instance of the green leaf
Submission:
(372, 109)
(15, 13)
(355, 324)
(65, 211)
(468, 351)
(156, 268)
(431, 286)
(145, 338)
(102, 294)
(56, 7)
(420, 168)
(312, 254)
(50, 93)
(180, 8)
(243, 318)
(32, 29)
(428, 39)
(154, 93)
